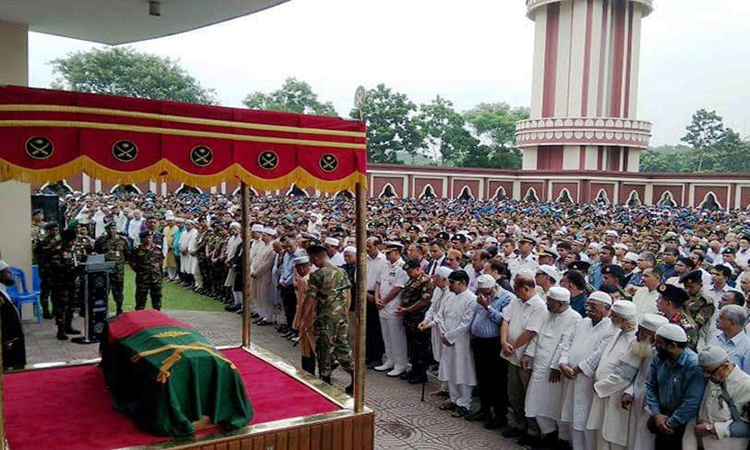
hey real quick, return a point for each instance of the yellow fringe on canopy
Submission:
(165, 170)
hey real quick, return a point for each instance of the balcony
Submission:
(583, 131)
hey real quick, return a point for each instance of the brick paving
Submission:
(402, 421)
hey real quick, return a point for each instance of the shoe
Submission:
(396, 372)
(71, 330)
(254, 315)
(289, 333)
(62, 336)
(564, 445)
(405, 376)
(349, 389)
(373, 364)
(295, 339)
(233, 308)
(460, 411)
(548, 441)
(513, 433)
(383, 368)
(118, 312)
(292, 336)
(240, 311)
(47, 315)
(439, 394)
(263, 323)
(526, 440)
(419, 379)
(447, 406)
(495, 422)
(476, 416)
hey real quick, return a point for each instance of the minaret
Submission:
(585, 86)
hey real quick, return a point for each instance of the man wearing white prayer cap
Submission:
(722, 421)
(607, 416)
(675, 386)
(546, 277)
(432, 316)
(332, 248)
(269, 231)
(544, 394)
(491, 369)
(580, 352)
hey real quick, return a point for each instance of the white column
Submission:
(85, 183)
(15, 197)
(223, 187)
(529, 158)
(649, 195)
(516, 194)
(152, 186)
(98, 186)
(634, 160)
(163, 188)
(571, 157)
(212, 189)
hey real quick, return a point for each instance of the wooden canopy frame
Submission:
(47, 135)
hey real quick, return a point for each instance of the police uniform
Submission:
(115, 249)
(146, 262)
(329, 286)
(420, 349)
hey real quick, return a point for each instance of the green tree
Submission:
(667, 158)
(392, 125)
(294, 96)
(124, 71)
(706, 129)
(495, 124)
(446, 132)
(731, 153)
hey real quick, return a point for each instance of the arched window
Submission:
(428, 192)
(500, 194)
(564, 196)
(238, 192)
(710, 203)
(60, 188)
(531, 196)
(125, 189)
(294, 191)
(387, 191)
(602, 197)
(634, 199)
(666, 200)
(344, 195)
(185, 189)
(465, 194)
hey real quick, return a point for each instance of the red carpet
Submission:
(71, 408)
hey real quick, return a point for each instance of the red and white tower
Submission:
(585, 86)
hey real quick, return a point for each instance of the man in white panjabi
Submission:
(256, 245)
(544, 394)
(431, 317)
(522, 319)
(723, 413)
(187, 260)
(607, 416)
(260, 273)
(581, 349)
(233, 246)
(457, 360)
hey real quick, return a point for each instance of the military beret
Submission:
(673, 293)
(51, 225)
(583, 266)
(110, 225)
(412, 264)
(614, 270)
(670, 239)
(694, 276)
(68, 234)
(73, 224)
(145, 233)
(315, 249)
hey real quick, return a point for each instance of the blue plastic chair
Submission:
(22, 296)
(36, 282)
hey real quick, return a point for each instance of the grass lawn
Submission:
(173, 297)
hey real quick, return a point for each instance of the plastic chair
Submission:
(36, 282)
(23, 296)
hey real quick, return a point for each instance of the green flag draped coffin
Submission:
(167, 376)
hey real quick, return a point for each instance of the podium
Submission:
(95, 286)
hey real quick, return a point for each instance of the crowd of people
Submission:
(591, 326)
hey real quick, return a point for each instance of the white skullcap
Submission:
(549, 270)
(269, 231)
(611, 233)
(600, 296)
(190, 221)
(673, 332)
(485, 281)
(526, 273)
(350, 249)
(332, 241)
(712, 356)
(625, 309)
(301, 260)
(258, 228)
(630, 256)
(169, 215)
(235, 225)
(3, 265)
(619, 245)
(595, 245)
(652, 322)
(559, 294)
(179, 219)
(443, 272)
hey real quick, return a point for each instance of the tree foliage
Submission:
(495, 123)
(294, 96)
(392, 125)
(448, 140)
(704, 131)
(124, 71)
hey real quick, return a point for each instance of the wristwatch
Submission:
(709, 428)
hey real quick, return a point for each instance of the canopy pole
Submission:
(2, 396)
(361, 293)
(246, 239)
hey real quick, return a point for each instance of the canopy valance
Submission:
(48, 135)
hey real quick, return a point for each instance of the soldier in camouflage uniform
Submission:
(613, 275)
(671, 304)
(200, 253)
(37, 227)
(62, 270)
(83, 246)
(699, 307)
(146, 261)
(329, 287)
(115, 249)
(415, 300)
(43, 254)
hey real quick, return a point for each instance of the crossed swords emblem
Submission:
(124, 151)
(39, 147)
(201, 156)
(328, 162)
(268, 160)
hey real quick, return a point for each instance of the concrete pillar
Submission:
(15, 197)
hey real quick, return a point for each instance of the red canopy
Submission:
(48, 135)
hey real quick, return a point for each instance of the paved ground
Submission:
(403, 421)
